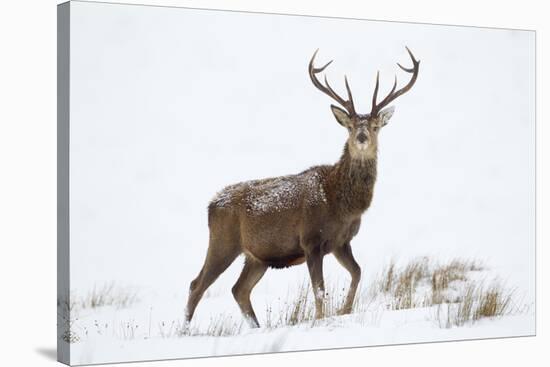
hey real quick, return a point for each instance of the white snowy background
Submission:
(170, 105)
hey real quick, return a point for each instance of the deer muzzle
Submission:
(362, 137)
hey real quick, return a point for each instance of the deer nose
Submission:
(361, 137)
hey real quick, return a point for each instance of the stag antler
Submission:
(348, 105)
(393, 94)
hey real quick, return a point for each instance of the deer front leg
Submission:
(314, 261)
(345, 258)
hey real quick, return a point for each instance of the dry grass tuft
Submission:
(409, 286)
(66, 319)
(399, 285)
(404, 290)
(299, 307)
(219, 326)
(127, 330)
(387, 279)
(478, 302)
(443, 277)
(109, 295)
(494, 301)
(225, 325)
(106, 295)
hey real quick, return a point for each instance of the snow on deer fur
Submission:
(275, 194)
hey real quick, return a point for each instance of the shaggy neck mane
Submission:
(352, 181)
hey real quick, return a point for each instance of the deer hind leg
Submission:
(345, 258)
(251, 274)
(218, 259)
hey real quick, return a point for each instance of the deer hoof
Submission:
(344, 311)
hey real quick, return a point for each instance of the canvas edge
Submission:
(63, 111)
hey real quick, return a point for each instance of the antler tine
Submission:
(415, 62)
(375, 94)
(348, 89)
(327, 89)
(393, 94)
(385, 101)
(333, 94)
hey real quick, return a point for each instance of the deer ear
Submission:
(385, 115)
(341, 116)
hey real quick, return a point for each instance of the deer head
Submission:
(363, 128)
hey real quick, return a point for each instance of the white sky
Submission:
(170, 105)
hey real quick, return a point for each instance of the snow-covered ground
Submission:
(407, 326)
(395, 327)
(153, 328)
(163, 116)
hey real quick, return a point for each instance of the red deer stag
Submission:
(285, 221)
